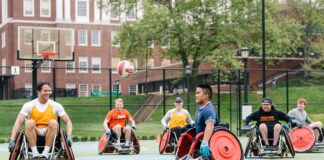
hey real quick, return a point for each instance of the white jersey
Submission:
(57, 108)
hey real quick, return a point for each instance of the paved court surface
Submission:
(149, 151)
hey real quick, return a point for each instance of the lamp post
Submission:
(188, 72)
(263, 51)
(245, 55)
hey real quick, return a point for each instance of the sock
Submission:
(127, 143)
(45, 151)
(118, 141)
(35, 151)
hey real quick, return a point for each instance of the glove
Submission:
(204, 149)
(191, 125)
(286, 126)
(134, 127)
(11, 145)
(69, 140)
(251, 125)
(108, 133)
(299, 124)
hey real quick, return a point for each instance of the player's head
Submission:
(203, 93)
(119, 104)
(266, 104)
(301, 103)
(178, 103)
(44, 90)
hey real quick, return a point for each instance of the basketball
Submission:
(125, 68)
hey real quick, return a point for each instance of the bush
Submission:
(152, 138)
(2, 141)
(93, 138)
(84, 139)
(75, 139)
(144, 138)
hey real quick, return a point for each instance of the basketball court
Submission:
(149, 151)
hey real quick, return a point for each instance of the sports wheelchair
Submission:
(59, 150)
(109, 144)
(304, 140)
(224, 145)
(257, 147)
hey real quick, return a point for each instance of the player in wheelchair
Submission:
(310, 136)
(268, 137)
(209, 140)
(42, 137)
(174, 122)
(118, 136)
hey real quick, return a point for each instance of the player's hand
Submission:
(11, 145)
(251, 125)
(69, 140)
(134, 127)
(108, 132)
(299, 124)
(204, 149)
(286, 126)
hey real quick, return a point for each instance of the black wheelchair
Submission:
(60, 149)
(257, 147)
(109, 144)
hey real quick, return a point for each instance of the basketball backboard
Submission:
(33, 41)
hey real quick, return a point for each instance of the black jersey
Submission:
(269, 118)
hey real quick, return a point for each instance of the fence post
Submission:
(218, 94)
(110, 89)
(239, 103)
(163, 91)
(54, 83)
(287, 92)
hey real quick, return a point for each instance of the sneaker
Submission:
(44, 155)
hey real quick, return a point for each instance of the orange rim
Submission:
(164, 140)
(102, 143)
(303, 139)
(224, 145)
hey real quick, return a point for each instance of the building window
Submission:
(132, 89)
(28, 90)
(82, 8)
(83, 90)
(70, 86)
(28, 66)
(3, 39)
(96, 65)
(114, 63)
(3, 66)
(96, 87)
(95, 38)
(70, 68)
(28, 36)
(83, 64)
(45, 10)
(83, 37)
(114, 11)
(114, 42)
(116, 88)
(46, 66)
(45, 35)
(68, 38)
(130, 11)
(29, 8)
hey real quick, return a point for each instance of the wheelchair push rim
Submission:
(303, 139)
(225, 145)
(164, 140)
(102, 143)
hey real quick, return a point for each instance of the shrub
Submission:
(93, 138)
(2, 141)
(152, 137)
(144, 138)
(75, 139)
(84, 139)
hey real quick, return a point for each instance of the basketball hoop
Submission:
(48, 57)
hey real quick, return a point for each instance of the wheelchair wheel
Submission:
(289, 143)
(68, 150)
(103, 142)
(225, 145)
(184, 144)
(320, 137)
(303, 139)
(136, 143)
(249, 144)
(16, 151)
(164, 140)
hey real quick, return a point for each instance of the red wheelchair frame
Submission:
(223, 145)
(304, 140)
(107, 144)
(168, 143)
(58, 150)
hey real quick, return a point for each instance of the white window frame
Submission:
(4, 67)
(114, 68)
(67, 69)
(30, 32)
(32, 8)
(42, 5)
(94, 86)
(3, 39)
(93, 38)
(112, 37)
(130, 90)
(85, 60)
(134, 11)
(114, 87)
(110, 11)
(82, 18)
(86, 91)
(28, 66)
(96, 61)
(85, 38)
(70, 86)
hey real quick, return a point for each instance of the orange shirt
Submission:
(115, 117)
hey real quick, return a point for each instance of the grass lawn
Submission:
(87, 113)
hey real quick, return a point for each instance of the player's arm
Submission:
(208, 130)
(105, 124)
(19, 120)
(166, 119)
(68, 123)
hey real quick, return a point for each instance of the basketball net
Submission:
(48, 58)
